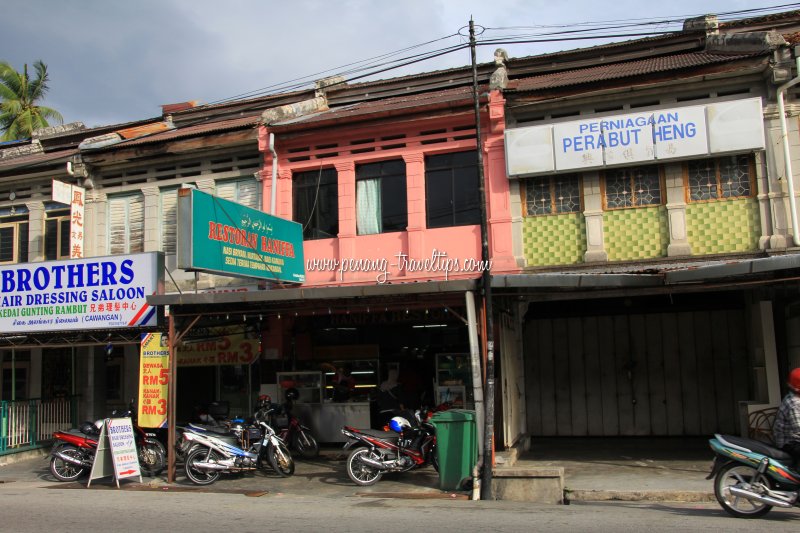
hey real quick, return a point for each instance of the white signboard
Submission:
(628, 139)
(578, 145)
(736, 125)
(674, 133)
(73, 196)
(530, 150)
(680, 133)
(116, 452)
(123, 448)
(62, 192)
(80, 294)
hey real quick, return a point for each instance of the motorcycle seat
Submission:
(759, 447)
(385, 435)
(216, 430)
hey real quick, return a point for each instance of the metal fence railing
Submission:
(30, 423)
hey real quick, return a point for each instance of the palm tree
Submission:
(19, 113)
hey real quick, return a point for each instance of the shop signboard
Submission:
(81, 294)
(116, 452)
(219, 346)
(153, 380)
(222, 237)
(73, 196)
(610, 141)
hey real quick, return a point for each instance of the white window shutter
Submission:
(126, 224)
(169, 220)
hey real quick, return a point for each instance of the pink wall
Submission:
(353, 259)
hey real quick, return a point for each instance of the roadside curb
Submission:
(638, 496)
(415, 495)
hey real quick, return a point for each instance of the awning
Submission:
(305, 294)
(667, 276)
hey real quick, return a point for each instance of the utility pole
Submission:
(486, 289)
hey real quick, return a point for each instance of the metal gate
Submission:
(660, 374)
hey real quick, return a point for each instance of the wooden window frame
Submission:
(59, 216)
(19, 246)
(751, 170)
(661, 186)
(551, 186)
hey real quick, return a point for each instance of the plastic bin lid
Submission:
(453, 415)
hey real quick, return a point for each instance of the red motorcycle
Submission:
(290, 430)
(73, 452)
(402, 448)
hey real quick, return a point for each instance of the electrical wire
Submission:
(382, 63)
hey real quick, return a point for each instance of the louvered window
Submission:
(169, 220)
(14, 242)
(57, 235)
(245, 192)
(126, 224)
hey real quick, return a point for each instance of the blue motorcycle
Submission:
(751, 477)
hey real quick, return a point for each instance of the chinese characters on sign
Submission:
(123, 448)
(73, 196)
(76, 222)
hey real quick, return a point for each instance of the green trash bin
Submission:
(456, 447)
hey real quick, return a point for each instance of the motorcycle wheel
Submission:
(361, 473)
(435, 460)
(280, 459)
(734, 475)
(152, 458)
(305, 443)
(63, 470)
(197, 476)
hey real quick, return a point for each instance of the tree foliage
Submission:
(20, 113)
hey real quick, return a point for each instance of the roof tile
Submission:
(623, 70)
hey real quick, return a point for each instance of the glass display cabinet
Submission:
(454, 380)
(308, 384)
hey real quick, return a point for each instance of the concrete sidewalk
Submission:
(595, 469)
(627, 469)
(324, 476)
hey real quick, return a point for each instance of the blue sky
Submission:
(112, 61)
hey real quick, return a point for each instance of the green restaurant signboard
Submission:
(223, 237)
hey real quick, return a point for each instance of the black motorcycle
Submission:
(289, 428)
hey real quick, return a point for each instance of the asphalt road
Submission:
(27, 508)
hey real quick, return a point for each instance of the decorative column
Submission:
(415, 198)
(676, 212)
(498, 194)
(100, 226)
(763, 197)
(593, 215)
(777, 189)
(346, 175)
(152, 219)
(283, 201)
(36, 218)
